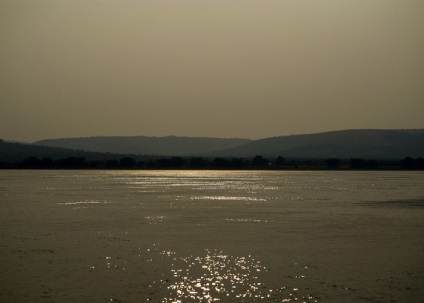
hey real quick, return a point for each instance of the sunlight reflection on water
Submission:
(227, 198)
(217, 276)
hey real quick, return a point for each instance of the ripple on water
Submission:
(84, 202)
(227, 198)
(246, 220)
(155, 219)
(217, 276)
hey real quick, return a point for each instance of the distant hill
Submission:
(11, 152)
(166, 146)
(367, 144)
(371, 144)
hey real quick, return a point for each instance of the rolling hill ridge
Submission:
(346, 144)
(164, 146)
(373, 143)
(379, 144)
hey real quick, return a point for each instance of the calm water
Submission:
(211, 236)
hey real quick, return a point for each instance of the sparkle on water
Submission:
(216, 275)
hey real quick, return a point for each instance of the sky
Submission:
(208, 68)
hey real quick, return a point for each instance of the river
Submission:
(211, 236)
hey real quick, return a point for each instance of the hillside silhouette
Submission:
(26, 156)
(14, 152)
(378, 144)
(168, 146)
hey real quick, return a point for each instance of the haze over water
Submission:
(206, 236)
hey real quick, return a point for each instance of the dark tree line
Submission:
(257, 162)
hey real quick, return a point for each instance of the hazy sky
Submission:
(217, 68)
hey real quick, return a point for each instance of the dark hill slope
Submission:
(171, 146)
(377, 144)
(15, 152)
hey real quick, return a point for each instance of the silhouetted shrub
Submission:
(220, 163)
(197, 163)
(280, 161)
(71, 162)
(419, 162)
(177, 162)
(357, 163)
(127, 162)
(371, 164)
(237, 163)
(332, 162)
(408, 163)
(259, 161)
(112, 163)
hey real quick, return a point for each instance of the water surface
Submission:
(211, 236)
